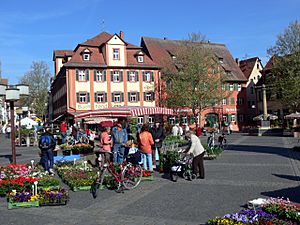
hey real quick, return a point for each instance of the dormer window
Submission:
(221, 60)
(116, 54)
(140, 58)
(86, 56)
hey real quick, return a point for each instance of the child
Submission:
(134, 155)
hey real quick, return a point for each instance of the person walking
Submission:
(119, 140)
(145, 145)
(197, 150)
(63, 131)
(47, 145)
(105, 144)
(158, 136)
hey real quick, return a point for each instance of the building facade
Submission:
(102, 72)
(252, 69)
(232, 109)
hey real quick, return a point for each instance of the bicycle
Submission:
(127, 177)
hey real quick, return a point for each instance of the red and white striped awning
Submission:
(99, 120)
(126, 111)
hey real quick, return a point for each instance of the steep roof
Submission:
(162, 50)
(97, 40)
(247, 66)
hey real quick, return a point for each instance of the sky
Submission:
(30, 30)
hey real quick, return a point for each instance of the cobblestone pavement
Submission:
(252, 167)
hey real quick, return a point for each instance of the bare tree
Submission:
(38, 79)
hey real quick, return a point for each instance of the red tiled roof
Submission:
(4, 81)
(247, 66)
(161, 51)
(132, 61)
(63, 53)
(98, 40)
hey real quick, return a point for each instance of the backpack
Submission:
(46, 142)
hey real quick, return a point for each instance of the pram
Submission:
(183, 168)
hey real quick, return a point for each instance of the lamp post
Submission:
(12, 93)
(19, 113)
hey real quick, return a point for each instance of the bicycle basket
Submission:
(134, 158)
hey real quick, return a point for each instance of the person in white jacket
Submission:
(197, 150)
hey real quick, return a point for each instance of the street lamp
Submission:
(12, 93)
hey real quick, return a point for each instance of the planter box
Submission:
(82, 188)
(53, 203)
(149, 178)
(66, 152)
(15, 205)
(48, 187)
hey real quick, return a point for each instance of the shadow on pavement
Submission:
(289, 177)
(291, 193)
(9, 157)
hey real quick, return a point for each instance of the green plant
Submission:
(48, 181)
(168, 159)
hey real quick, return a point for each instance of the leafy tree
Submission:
(38, 79)
(196, 83)
(285, 76)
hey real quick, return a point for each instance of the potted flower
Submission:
(53, 197)
(66, 149)
(21, 199)
(48, 182)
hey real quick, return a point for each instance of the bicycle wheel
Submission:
(131, 176)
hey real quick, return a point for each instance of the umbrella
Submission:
(295, 115)
(269, 117)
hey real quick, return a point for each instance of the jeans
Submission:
(63, 137)
(147, 161)
(47, 159)
(118, 153)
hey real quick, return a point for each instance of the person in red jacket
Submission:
(198, 131)
(145, 145)
(63, 130)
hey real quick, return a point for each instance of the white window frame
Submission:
(239, 87)
(116, 76)
(225, 118)
(140, 58)
(133, 97)
(116, 54)
(232, 118)
(82, 98)
(86, 56)
(100, 97)
(117, 97)
(151, 119)
(231, 87)
(224, 101)
(99, 75)
(81, 75)
(132, 77)
(148, 76)
(149, 97)
(140, 120)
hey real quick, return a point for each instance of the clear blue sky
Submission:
(30, 30)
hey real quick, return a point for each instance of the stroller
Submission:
(183, 168)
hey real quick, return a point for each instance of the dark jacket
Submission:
(158, 133)
(52, 143)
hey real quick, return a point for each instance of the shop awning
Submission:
(293, 116)
(104, 121)
(126, 111)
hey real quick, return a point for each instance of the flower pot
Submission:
(15, 205)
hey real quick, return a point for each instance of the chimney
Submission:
(122, 35)
(237, 60)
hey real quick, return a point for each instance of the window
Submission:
(241, 118)
(221, 60)
(224, 101)
(252, 90)
(100, 75)
(257, 66)
(239, 87)
(151, 119)
(140, 58)
(83, 97)
(230, 87)
(232, 118)
(223, 87)
(232, 101)
(81, 75)
(100, 97)
(132, 76)
(86, 56)
(225, 119)
(117, 97)
(147, 76)
(140, 120)
(116, 76)
(116, 53)
(133, 97)
(148, 96)
(240, 101)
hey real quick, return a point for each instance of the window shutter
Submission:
(121, 76)
(129, 96)
(144, 76)
(144, 93)
(88, 97)
(77, 75)
(105, 97)
(138, 96)
(153, 95)
(95, 75)
(136, 76)
(104, 75)
(87, 73)
(128, 75)
(112, 97)
(122, 97)
(111, 75)
(77, 96)
(227, 86)
(152, 76)
(95, 95)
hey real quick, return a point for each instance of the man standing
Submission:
(197, 150)
(47, 145)
(175, 130)
(158, 135)
(63, 130)
(119, 139)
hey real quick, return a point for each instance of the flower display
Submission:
(48, 195)
(24, 196)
